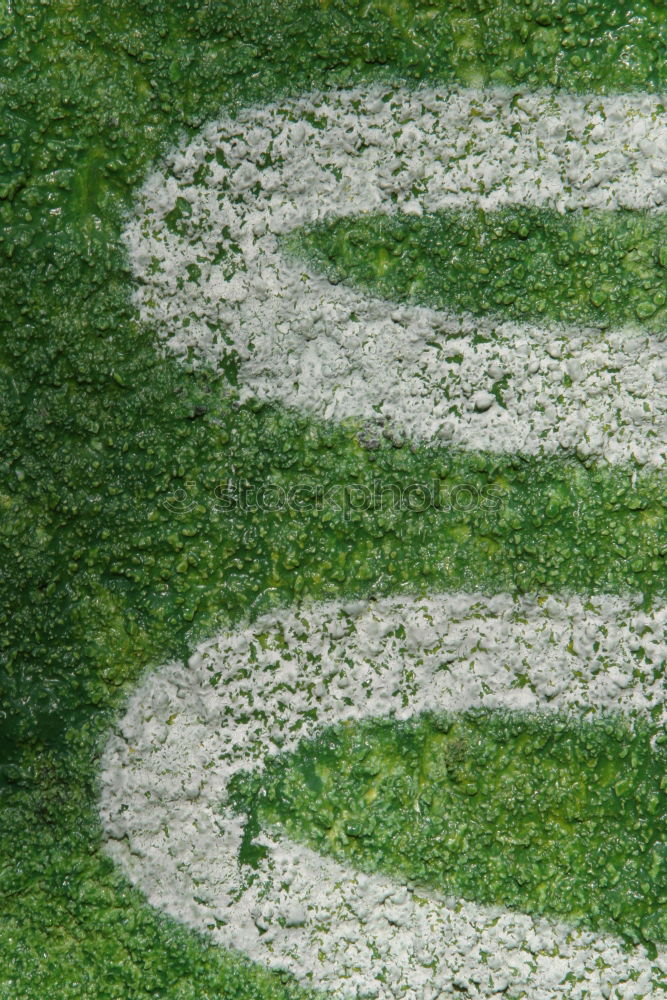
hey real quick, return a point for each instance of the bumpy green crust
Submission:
(539, 814)
(100, 578)
(597, 268)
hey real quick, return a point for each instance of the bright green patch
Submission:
(540, 814)
(599, 268)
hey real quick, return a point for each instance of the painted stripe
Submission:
(221, 281)
(260, 690)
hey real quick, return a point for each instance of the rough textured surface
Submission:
(582, 842)
(589, 268)
(212, 276)
(100, 578)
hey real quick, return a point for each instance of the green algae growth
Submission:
(582, 267)
(543, 814)
(101, 580)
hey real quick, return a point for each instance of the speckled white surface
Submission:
(260, 689)
(335, 352)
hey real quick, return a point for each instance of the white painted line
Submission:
(224, 283)
(261, 689)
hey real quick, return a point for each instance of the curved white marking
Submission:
(338, 353)
(253, 692)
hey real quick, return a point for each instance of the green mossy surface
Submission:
(598, 269)
(108, 568)
(538, 813)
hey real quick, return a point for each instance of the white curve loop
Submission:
(224, 283)
(261, 689)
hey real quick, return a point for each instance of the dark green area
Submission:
(599, 268)
(99, 578)
(545, 815)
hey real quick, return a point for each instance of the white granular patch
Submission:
(223, 284)
(260, 690)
